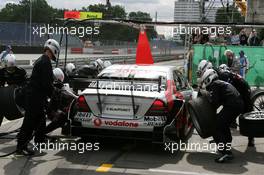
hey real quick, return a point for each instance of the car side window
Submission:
(177, 80)
(180, 83)
(183, 80)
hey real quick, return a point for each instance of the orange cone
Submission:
(143, 55)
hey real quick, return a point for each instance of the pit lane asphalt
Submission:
(118, 157)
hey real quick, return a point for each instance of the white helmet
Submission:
(69, 68)
(107, 64)
(208, 77)
(224, 68)
(203, 66)
(99, 64)
(10, 60)
(58, 74)
(54, 47)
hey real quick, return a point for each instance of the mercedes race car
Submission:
(133, 101)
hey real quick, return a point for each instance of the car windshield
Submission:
(132, 79)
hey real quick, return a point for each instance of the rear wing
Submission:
(80, 84)
(84, 83)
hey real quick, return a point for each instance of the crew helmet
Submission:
(70, 68)
(208, 77)
(58, 75)
(54, 47)
(203, 66)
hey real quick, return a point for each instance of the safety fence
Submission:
(215, 54)
(130, 59)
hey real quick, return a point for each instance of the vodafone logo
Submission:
(97, 122)
(121, 124)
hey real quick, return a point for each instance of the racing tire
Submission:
(1, 120)
(203, 116)
(252, 124)
(258, 100)
(9, 108)
(186, 132)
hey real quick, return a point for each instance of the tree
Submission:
(41, 12)
(224, 16)
(142, 16)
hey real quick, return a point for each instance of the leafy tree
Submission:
(142, 16)
(42, 12)
(224, 16)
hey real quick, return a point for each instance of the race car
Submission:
(134, 101)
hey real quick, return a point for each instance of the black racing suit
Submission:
(17, 77)
(39, 88)
(225, 94)
(241, 85)
(58, 108)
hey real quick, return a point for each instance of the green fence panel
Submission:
(215, 54)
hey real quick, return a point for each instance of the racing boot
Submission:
(225, 157)
(24, 151)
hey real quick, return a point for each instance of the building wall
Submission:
(211, 14)
(255, 12)
(188, 11)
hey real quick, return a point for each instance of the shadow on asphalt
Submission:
(124, 154)
(236, 166)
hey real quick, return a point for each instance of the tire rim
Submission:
(259, 103)
(255, 115)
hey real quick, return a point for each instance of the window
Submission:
(180, 83)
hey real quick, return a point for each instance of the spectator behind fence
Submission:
(244, 64)
(232, 61)
(253, 39)
(235, 39)
(243, 38)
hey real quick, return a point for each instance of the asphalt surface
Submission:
(130, 157)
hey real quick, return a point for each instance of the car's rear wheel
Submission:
(187, 128)
(66, 129)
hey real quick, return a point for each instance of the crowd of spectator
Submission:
(245, 37)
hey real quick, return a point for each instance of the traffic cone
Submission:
(143, 55)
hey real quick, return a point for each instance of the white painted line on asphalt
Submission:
(178, 172)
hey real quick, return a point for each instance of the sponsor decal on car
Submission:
(83, 117)
(154, 120)
(122, 124)
(98, 122)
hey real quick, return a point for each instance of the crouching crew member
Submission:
(40, 87)
(243, 88)
(223, 94)
(11, 74)
(56, 110)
